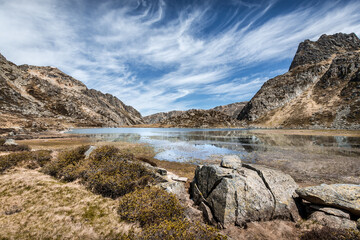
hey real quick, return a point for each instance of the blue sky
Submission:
(162, 55)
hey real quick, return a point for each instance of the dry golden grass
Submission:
(36, 206)
(56, 143)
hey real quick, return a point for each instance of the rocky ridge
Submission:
(45, 97)
(206, 117)
(232, 109)
(321, 89)
(196, 118)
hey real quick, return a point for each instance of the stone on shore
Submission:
(240, 194)
(231, 161)
(342, 196)
(10, 142)
(332, 221)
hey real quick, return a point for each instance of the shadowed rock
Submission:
(343, 196)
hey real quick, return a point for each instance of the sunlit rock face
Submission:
(45, 97)
(320, 90)
(239, 193)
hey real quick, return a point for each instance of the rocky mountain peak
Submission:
(311, 52)
(321, 89)
(45, 97)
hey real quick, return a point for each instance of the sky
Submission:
(162, 55)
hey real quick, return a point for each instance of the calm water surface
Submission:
(196, 145)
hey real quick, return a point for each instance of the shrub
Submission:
(108, 171)
(150, 206)
(108, 152)
(327, 233)
(28, 159)
(179, 230)
(14, 148)
(66, 166)
(116, 177)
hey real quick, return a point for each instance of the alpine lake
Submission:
(310, 156)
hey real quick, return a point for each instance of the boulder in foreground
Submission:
(241, 193)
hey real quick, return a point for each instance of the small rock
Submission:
(89, 151)
(231, 161)
(13, 209)
(358, 223)
(331, 211)
(10, 142)
(342, 196)
(161, 171)
(179, 179)
(177, 188)
(332, 221)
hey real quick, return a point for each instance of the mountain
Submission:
(320, 90)
(232, 109)
(157, 117)
(45, 97)
(219, 116)
(198, 118)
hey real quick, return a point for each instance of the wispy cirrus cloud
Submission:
(160, 55)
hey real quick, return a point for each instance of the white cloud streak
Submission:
(159, 63)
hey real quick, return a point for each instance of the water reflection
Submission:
(193, 144)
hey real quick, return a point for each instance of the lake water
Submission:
(179, 144)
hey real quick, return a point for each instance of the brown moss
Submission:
(27, 159)
(14, 148)
(179, 230)
(327, 233)
(108, 171)
(150, 206)
(66, 165)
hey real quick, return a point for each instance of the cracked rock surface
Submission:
(244, 194)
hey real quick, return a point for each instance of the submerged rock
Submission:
(342, 196)
(244, 194)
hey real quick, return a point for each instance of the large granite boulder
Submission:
(342, 196)
(240, 193)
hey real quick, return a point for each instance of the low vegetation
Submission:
(108, 171)
(125, 187)
(12, 148)
(150, 206)
(179, 230)
(36, 206)
(327, 233)
(162, 217)
(30, 160)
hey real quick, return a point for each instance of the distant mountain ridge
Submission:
(321, 89)
(224, 116)
(45, 97)
(198, 118)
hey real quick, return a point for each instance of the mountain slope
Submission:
(231, 110)
(197, 118)
(320, 90)
(45, 97)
